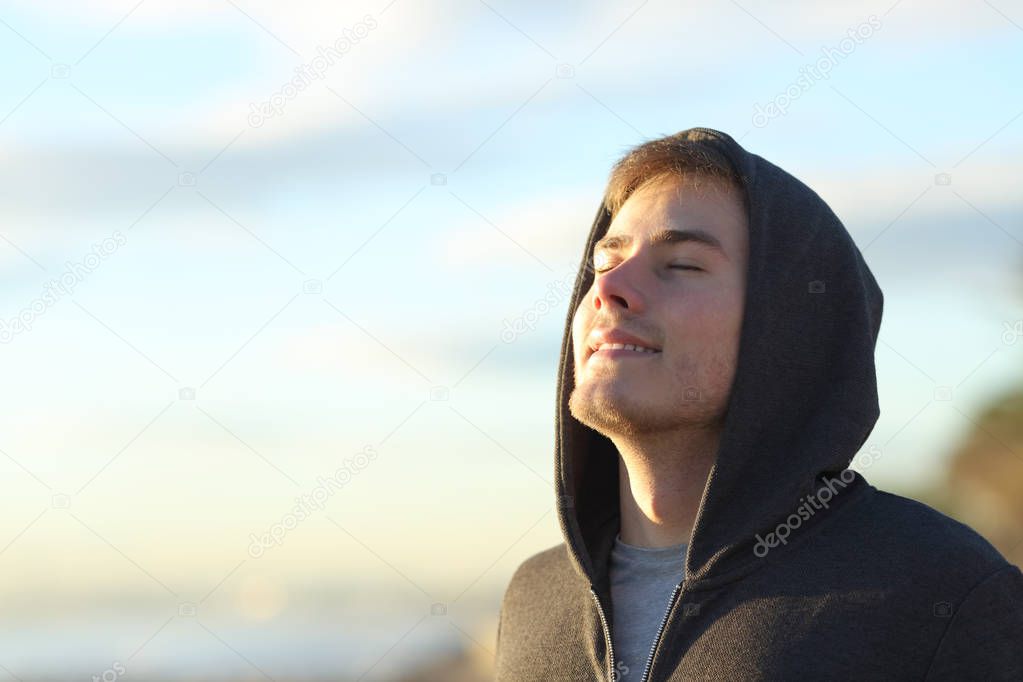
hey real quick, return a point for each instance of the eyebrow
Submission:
(695, 236)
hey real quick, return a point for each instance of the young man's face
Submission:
(649, 291)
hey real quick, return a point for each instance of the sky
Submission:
(218, 288)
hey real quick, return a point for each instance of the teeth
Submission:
(625, 346)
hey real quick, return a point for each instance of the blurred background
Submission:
(283, 288)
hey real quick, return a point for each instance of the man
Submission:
(716, 379)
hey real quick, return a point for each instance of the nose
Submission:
(618, 288)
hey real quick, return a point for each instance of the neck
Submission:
(661, 478)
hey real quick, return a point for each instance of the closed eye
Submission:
(670, 267)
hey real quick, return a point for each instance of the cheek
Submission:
(580, 323)
(708, 324)
(723, 322)
(705, 331)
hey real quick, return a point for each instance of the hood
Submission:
(804, 396)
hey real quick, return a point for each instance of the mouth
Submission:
(612, 344)
(616, 351)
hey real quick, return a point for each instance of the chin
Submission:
(611, 413)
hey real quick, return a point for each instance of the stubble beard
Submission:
(611, 413)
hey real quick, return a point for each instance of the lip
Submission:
(603, 335)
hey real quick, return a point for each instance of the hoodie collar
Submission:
(803, 401)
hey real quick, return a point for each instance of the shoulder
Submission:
(541, 614)
(546, 587)
(553, 558)
(983, 633)
(906, 545)
(545, 573)
(927, 534)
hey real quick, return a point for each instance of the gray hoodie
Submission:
(797, 567)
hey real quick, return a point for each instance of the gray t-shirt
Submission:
(642, 581)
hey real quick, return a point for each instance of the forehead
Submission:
(713, 207)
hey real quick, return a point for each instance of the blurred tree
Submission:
(984, 483)
(983, 486)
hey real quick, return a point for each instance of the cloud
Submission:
(551, 228)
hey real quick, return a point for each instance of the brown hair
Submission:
(666, 158)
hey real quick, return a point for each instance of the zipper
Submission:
(660, 631)
(607, 637)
